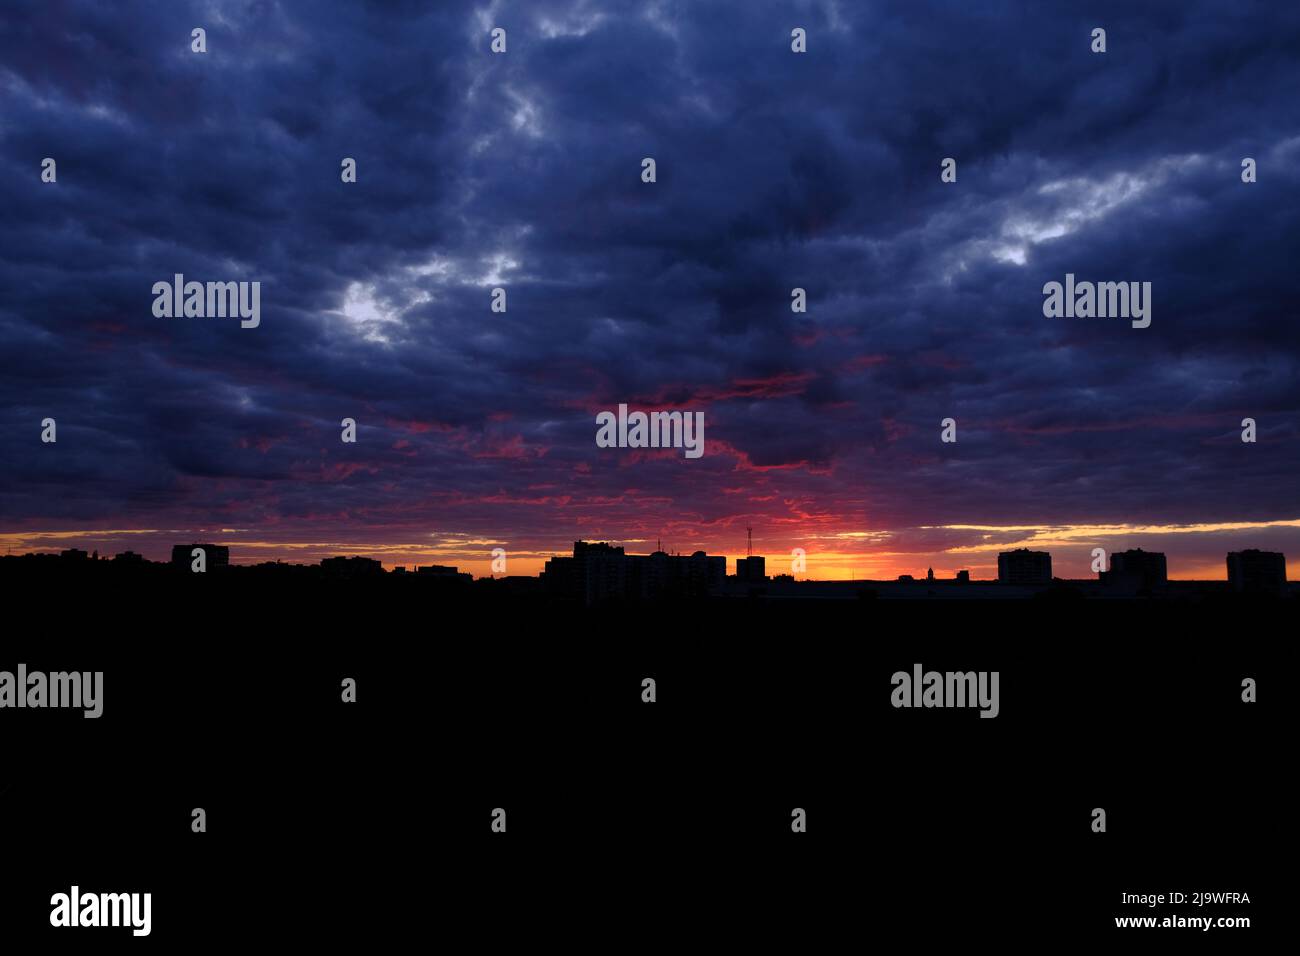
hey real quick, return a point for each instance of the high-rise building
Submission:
(704, 573)
(599, 572)
(752, 569)
(596, 572)
(1257, 572)
(1023, 566)
(1136, 569)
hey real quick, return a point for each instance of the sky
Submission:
(774, 170)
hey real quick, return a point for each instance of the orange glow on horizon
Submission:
(1195, 551)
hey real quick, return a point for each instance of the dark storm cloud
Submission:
(774, 171)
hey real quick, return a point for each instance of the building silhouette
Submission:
(442, 572)
(215, 556)
(595, 573)
(752, 569)
(704, 573)
(353, 567)
(1023, 566)
(598, 572)
(1137, 569)
(1257, 572)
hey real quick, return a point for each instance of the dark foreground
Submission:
(631, 822)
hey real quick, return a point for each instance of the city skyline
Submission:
(1017, 566)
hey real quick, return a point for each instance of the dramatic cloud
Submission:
(775, 170)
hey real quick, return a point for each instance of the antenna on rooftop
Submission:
(749, 545)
